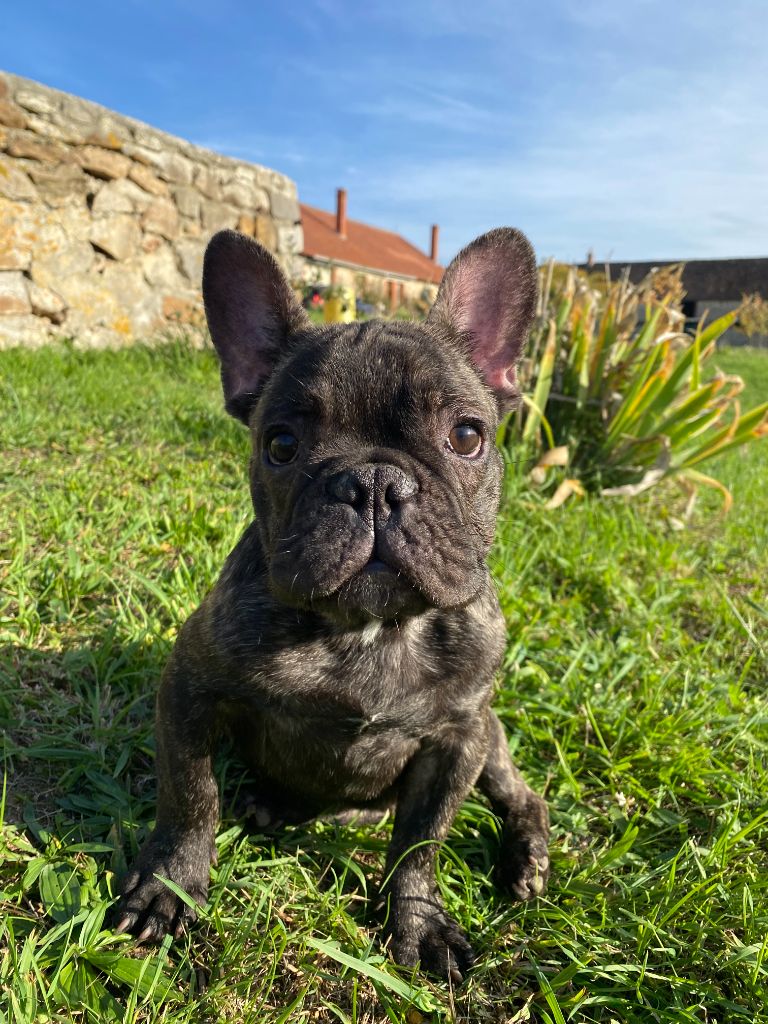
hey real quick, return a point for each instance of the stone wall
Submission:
(104, 220)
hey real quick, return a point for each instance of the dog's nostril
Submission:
(398, 486)
(395, 494)
(347, 488)
(371, 484)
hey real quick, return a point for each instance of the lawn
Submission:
(633, 693)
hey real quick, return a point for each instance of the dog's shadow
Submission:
(77, 728)
(78, 758)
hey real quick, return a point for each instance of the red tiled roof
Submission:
(365, 246)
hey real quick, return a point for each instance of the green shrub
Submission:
(617, 393)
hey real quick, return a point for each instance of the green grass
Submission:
(633, 693)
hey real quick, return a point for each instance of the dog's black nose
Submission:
(372, 485)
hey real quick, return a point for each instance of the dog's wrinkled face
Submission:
(374, 472)
(374, 475)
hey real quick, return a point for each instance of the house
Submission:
(380, 265)
(711, 286)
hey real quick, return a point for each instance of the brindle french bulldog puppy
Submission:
(351, 642)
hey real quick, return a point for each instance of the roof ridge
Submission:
(365, 245)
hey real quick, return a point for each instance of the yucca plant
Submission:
(616, 390)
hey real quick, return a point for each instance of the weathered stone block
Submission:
(151, 243)
(147, 180)
(121, 196)
(93, 308)
(139, 153)
(103, 163)
(207, 182)
(246, 224)
(4, 89)
(161, 271)
(264, 231)
(11, 115)
(136, 300)
(285, 207)
(14, 184)
(47, 129)
(244, 195)
(62, 185)
(14, 298)
(273, 181)
(190, 252)
(190, 228)
(38, 100)
(77, 115)
(162, 218)
(187, 200)
(117, 235)
(46, 302)
(28, 145)
(216, 216)
(290, 238)
(51, 268)
(26, 329)
(183, 309)
(110, 133)
(167, 163)
(148, 138)
(17, 234)
(59, 228)
(174, 167)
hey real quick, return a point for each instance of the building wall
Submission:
(104, 220)
(733, 336)
(370, 284)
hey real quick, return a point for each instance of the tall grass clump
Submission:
(616, 391)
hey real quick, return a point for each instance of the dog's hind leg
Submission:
(524, 862)
(265, 807)
(363, 815)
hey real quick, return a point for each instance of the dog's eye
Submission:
(282, 449)
(465, 440)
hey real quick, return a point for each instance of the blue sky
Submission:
(636, 128)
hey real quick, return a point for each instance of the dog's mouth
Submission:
(354, 568)
(377, 590)
(376, 566)
(363, 582)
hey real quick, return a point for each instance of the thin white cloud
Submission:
(666, 163)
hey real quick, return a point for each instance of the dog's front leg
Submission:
(432, 788)
(524, 863)
(181, 847)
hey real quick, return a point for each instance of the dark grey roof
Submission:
(704, 280)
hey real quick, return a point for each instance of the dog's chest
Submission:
(344, 718)
(347, 690)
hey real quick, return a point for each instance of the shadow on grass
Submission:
(76, 729)
(78, 759)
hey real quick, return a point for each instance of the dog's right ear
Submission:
(251, 312)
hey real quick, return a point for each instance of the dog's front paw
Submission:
(148, 908)
(523, 866)
(422, 935)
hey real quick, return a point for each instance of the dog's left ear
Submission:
(251, 312)
(488, 298)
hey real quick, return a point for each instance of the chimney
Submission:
(434, 243)
(341, 212)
